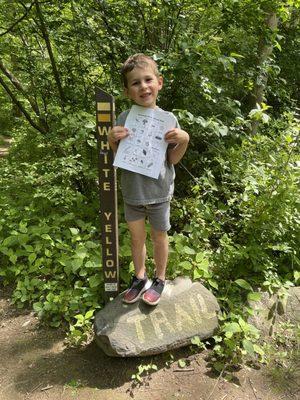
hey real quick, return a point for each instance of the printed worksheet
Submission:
(143, 151)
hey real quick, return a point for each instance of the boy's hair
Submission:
(137, 60)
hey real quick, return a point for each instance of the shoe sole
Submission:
(146, 287)
(153, 303)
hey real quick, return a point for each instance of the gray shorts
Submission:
(158, 214)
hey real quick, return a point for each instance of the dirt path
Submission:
(5, 143)
(36, 365)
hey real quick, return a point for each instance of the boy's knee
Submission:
(158, 236)
(138, 239)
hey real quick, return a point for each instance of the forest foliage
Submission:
(231, 76)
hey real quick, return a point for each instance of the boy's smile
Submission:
(143, 86)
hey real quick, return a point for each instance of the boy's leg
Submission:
(159, 217)
(160, 252)
(138, 246)
(138, 250)
(160, 242)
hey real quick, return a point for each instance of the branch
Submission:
(18, 85)
(111, 31)
(50, 52)
(20, 106)
(18, 21)
(146, 30)
(173, 31)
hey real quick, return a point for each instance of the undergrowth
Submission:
(235, 231)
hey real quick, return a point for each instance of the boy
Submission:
(144, 196)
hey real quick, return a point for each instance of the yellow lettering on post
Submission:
(108, 228)
(108, 253)
(106, 172)
(104, 145)
(105, 158)
(183, 319)
(109, 263)
(158, 318)
(107, 241)
(104, 130)
(107, 215)
(110, 274)
(106, 186)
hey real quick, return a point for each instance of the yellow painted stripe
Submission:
(104, 117)
(103, 106)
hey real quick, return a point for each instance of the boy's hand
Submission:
(117, 133)
(177, 136)
(181, 139)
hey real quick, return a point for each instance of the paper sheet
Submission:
(144, 150)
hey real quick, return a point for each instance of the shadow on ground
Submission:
(89, 366)
(44, 360)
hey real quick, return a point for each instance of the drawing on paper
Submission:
(143, 151)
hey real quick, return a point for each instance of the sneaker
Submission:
(137, 288)
(152, 295)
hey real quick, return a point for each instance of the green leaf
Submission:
(248, 346)
(79, 317)
(196, 341)
(202, 262)
(223, 130)
(81, 253)
(13, 258)
(188, 250)
(213, 283)
(233, 327)
(48, 253)
(254, 296)
(32, 257)
(258, 350)
(236, 55)
(197, 274)
(91, 245)
(89, 314)
(243, 284)
(74, 231)
(89, 125)
(186, 265)
(181, 363)
(9, 241)
(95, 280)
(37, 307)
(76, 264)
(200, 257)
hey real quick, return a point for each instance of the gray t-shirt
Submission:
(139, 189)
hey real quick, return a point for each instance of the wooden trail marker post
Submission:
(105, 116)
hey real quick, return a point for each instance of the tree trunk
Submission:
(265, 49)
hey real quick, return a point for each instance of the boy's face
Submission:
(143, 86)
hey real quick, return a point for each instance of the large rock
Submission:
(185, 310)
(270, 311)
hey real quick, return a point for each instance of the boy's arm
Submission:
(181, 139)
(116, 134)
